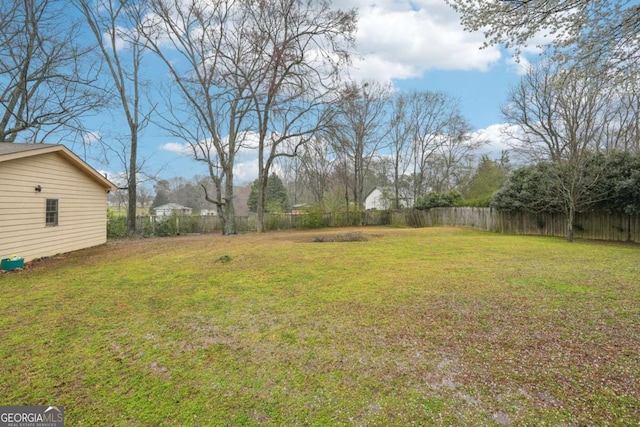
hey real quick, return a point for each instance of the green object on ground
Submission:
(9, 264)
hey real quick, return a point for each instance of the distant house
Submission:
(171, 208)
(300, 208)
(208, 212)
(383, 198)
(378, 198)
(51, 201)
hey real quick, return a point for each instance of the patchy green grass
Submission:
(405, 327)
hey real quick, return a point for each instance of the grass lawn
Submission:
(434, 326)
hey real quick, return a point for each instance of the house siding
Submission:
(81, 207)
(375, 200)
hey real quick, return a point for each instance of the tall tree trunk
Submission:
(224, 203)
(571, 215)
(262, 188)
(229, 226)
(396, 184)
(359, 176)
(132, 186)
(262, 179)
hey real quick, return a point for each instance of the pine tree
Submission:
(275, 198)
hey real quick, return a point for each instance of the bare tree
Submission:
(47, 82)
(359, 131)
(435, 117)
(144, 195)
(316, 167)
(623, 129)
(116, 22)
(454, 158)
(401, 131)
(204, 108)
(561, 116)
(290, 170)
(558, 114)
(257, 76)
(292, 51)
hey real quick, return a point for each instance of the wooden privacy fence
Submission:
(189, 224)
(591, 225)
(596, 225)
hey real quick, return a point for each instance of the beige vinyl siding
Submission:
(81, 207)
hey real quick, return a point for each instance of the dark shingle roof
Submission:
(14, 147)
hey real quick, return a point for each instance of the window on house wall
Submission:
(52, 213)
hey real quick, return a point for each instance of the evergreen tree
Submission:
(556, 187)
(488, 178)
(439, 200)
(622, 181)
(276, 199)
(162, 194)
(252, 201)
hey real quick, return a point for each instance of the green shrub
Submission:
(479, 202)
(116, 225)
(347, 219)
(167, 226)
(188, 224)
(243, 225)
(274, 221)
(224, 259)
(313, 219)
(146, 226)
(376, 217)
(439, 200)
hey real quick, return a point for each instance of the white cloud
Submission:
(520, 65)
(248, 141)
(118, 178)
(178, 148)
(120, 42)
(404, 39)
(91, 137)
(245, 171)
(245, 168)
(497, 137)
(381, 69)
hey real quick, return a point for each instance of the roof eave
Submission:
(69, 156)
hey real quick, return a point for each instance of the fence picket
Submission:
(593, 225)
(589, 225)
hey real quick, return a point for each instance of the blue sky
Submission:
(416, 44)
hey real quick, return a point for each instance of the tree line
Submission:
(269, 77)
(243, 75)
